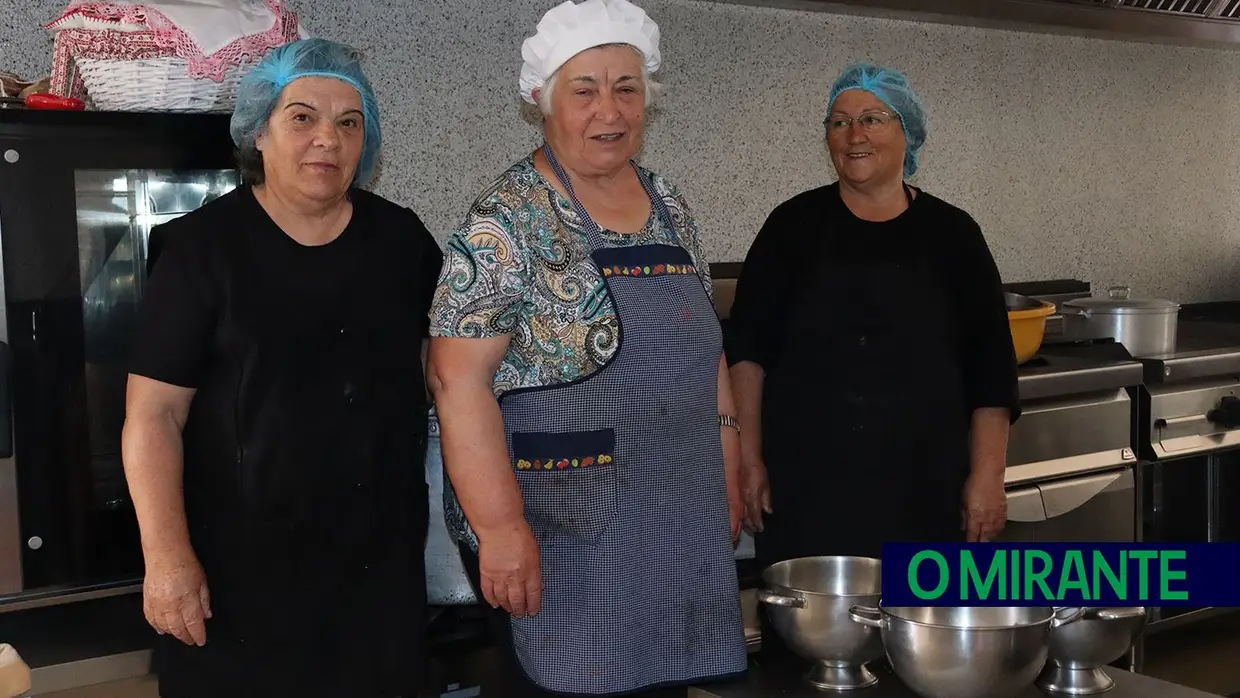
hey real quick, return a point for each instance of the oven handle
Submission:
(1029, 473)
(1220, 434)
(1178, 421)
(1226, 415)
(1035, 503)
(6, 400)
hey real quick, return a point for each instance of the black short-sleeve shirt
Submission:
(304, 449)
(813, 232)
(182, 301)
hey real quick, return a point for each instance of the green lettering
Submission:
(1102, 567)
(1074, 566)
(944, 577)
(1037, 577)
(969, 575)
(1166, 575)
(1014, 580)
(1143, 576)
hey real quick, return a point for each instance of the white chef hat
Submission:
(570, 28)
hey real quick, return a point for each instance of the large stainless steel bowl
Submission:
(965, 652)
(808, 600)
(1079, 650)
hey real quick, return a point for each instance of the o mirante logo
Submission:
(1060, 574)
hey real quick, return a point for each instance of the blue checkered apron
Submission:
(623, 482)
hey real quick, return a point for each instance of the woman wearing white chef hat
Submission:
(577, 367)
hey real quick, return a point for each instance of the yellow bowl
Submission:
(1028, 327)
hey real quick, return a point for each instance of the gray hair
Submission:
(544, 93)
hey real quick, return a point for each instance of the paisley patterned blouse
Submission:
(520, 264)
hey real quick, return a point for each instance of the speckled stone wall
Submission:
(1107, 161)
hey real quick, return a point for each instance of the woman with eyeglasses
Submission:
(875, 387)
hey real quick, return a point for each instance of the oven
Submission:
(1190, 443)
(79, 194)
(1071, 473)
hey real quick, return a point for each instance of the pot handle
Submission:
(1119, 613)
(1073, 614)
(862, 615)
(770, 597)
(1119, 293)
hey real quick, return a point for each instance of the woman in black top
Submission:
(876, 385)
(277, 377)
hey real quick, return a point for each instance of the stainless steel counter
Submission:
(786, 682)
(1068, 375)
(1203, 349)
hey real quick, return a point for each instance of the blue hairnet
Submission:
(260, 90)
(892, 88)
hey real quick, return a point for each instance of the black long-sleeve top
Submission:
(812, 231)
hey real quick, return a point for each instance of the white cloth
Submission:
(214, 24)
(570, 28)
(210, 24)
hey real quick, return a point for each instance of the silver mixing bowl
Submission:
(1079, 650)
(808, 600)
(965, 652)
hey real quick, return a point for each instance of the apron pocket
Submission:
(568, 480)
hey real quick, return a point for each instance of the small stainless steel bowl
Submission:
(808, 600)
(1080, 650)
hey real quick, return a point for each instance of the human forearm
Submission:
(988, 442)
(476, 457)
(984, 505)
(746, 379)
(730, 436)
(151, 452)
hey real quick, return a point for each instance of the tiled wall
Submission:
(1113, 162)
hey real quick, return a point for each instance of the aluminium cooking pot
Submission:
(1145, 326)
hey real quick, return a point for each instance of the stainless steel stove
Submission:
(1189, 439)
(1070, 473)
(1191, 394)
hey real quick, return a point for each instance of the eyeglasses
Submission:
(870, 121)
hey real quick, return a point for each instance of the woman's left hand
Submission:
(985, 507)
(736, 513)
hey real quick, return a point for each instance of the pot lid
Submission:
(1118, 300)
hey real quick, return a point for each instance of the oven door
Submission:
(79, 194)
(1096, 508)
(1191, 499)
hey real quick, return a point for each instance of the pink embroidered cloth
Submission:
(210, 35)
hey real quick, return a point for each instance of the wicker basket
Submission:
(144, 70)
(156, 84)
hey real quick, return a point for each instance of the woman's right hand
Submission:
(175, 598)
(510, 569)
(755, 491)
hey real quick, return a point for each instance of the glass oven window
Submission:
(116, 210)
